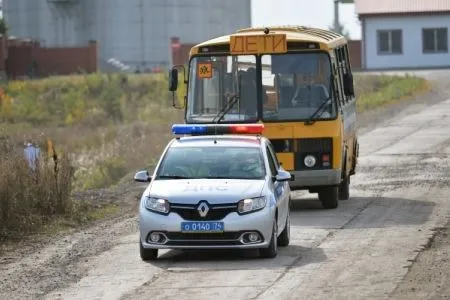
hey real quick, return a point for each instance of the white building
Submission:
(402, 34)
(133, 32)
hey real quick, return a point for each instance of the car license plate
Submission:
(202, 226)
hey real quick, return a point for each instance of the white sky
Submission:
(315, 13)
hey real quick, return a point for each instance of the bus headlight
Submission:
(310, 161)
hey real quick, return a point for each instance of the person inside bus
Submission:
(249, 92)
(310, 92)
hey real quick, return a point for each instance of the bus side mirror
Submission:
(348, 84)
(173, 80)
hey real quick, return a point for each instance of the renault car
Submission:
(220, 187)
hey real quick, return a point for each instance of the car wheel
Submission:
(147, 254)
(329, 197)
(285, 236)
(344, 189)
(272, 250)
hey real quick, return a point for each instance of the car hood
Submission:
(191, 191)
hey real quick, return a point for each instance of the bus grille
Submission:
(316, 147)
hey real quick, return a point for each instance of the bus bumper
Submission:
(313, 178)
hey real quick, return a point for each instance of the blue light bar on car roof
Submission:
(210, 129)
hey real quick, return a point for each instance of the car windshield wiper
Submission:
(227, 108)
(229, 177)
(311, 120)
(173, 177)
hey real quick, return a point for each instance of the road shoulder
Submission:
(429, 275)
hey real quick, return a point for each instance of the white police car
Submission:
(213, 190)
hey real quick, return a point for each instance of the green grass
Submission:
(112, 124)
(375, 91)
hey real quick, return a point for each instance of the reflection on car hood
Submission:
(190, 191)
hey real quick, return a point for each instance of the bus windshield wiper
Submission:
(311, 120)
(227, 108)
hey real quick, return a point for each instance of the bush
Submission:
(92, 98)
(29, 199)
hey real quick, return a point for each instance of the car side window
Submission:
(274, 155)
(273, 168)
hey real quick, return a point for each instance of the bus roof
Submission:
(293, 33)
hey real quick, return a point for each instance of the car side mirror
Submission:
(173, 79)
(283, 176)
(142, 176)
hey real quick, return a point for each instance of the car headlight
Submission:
(157, 205)
(251, 204)
(309, 161)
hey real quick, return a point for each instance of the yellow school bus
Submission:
(297, 81)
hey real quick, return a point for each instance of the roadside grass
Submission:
(375, 91)
(103, 128)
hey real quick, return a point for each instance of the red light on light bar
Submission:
(247, 128)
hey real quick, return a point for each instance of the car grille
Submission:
(216, 212)
(203, 239)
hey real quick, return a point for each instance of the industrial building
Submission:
(136, 33)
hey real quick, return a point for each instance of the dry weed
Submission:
(30, 198)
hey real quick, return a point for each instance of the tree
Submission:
(3, 26)
(342, 30)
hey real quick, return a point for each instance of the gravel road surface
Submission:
(368, 248)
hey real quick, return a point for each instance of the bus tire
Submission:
(329, 197)
(344, 188)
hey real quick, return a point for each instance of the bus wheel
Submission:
(344, 189)
(329, 196)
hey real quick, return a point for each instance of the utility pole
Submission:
(337, 24)
(336, 17)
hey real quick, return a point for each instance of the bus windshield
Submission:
(222, 83)
(298, 84)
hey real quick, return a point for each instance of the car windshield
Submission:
(297, 85)
(212, 163)
(219, 82)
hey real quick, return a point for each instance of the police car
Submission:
(220, 187)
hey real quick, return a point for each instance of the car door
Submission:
(279, 188)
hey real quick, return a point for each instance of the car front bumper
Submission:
(235, 226)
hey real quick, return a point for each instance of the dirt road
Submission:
(362, 250)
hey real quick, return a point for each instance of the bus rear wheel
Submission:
(329, 196)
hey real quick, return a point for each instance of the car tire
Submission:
(344, 189)
(147, 254)
(285, 236)
(272, 250)
(329, 196)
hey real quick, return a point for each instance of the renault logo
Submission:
(203, 209)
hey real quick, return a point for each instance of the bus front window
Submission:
(219, 82)
(301, 84)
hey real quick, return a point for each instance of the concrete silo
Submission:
(138, 32)
(52, 22)
(134, 32)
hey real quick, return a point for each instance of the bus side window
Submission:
(348, 65)
(338, 80)
(340, 69)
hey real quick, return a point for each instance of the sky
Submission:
(314, 13)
